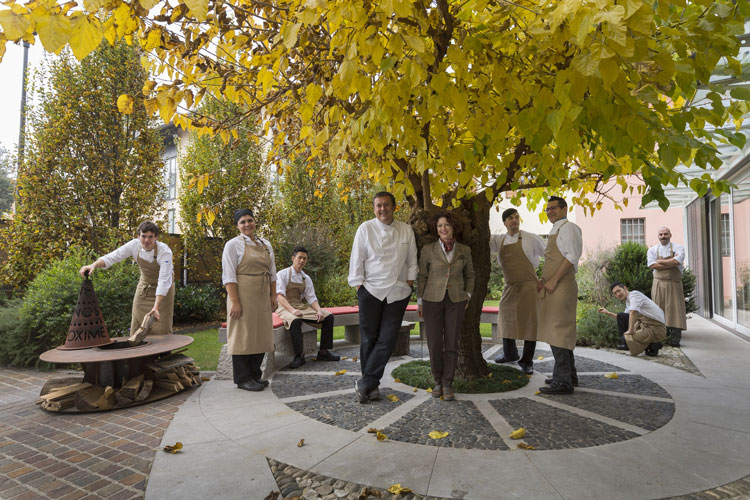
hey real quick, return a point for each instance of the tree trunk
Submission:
(475, 213)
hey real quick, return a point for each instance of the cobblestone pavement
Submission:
(614, 410)
(47, 455)
(294, 482)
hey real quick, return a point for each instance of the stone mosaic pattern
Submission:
(285, 385)
(631, 384)
(325, 366)
(550, 428)
(294, 482)
(465, 424)
(643, 413)
(345, 411)
(582, 365)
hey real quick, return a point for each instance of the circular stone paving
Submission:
(600, 411)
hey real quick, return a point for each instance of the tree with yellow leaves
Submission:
(452, 102)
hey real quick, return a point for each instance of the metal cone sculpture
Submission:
(87, 328)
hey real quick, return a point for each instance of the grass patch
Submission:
(504, 378)
(205, 349)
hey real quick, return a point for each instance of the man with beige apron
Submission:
(249, 275)
(641, 326)
(155, 292)
(297, 303)
(557, 318)
(518, 253)
(667, 259)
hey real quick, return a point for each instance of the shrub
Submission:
(594, 329)
(16, 342)
(628, 266)
(496, 282)
(688, 287)
(48, 306)
(334, 290)
(197, 303)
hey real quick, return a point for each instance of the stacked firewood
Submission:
(161, 378)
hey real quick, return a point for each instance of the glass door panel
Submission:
(741, 199)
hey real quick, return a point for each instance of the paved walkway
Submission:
(655, 432)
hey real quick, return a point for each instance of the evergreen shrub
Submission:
(198, 303)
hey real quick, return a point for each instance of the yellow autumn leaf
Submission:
(381, 436)
(612, 375)
(438, 434)
(14, 25)
(415, 390)
(429, 389)
(87, 34)
(525, 446)
(540, 358)
(54, 31)
(489, 375)
(125, 104)
(397, 380)
(537, 392)
(340, 372)
(392, 397)
(355, 358)
(210, 217)
(199, 8)
(175, 448)
(344, 357)
(372, 430)
(301, 443)
(506, 381)
(397, 489)
(518, 433)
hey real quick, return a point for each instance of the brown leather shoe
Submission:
(437, 391)
(448, 394)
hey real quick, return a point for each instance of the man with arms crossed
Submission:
(557, 321)
(383, 267)
(666, 259)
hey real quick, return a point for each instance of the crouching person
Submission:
(297, 304)
(641, 326)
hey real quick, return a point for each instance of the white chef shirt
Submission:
(569, 240)
(636, 301)
(531, 244)
(134, 249)
(282, 281)
(384, 258)
(234, 250)
(660, 251)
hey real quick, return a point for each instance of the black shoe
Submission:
(297, 362)
(526, 369)
(251, 385)
(653, 349)
(327, 356)
(548, 381)
(503, 359)
(360, 391)
(555, 389)
(673, 343)
(622, 347)
(374, 395)
(262, 382)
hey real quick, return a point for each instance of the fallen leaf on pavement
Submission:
(525, 446)
(301, 443)
(355, 358)
(540, 358)
(381, 436)
(489, 375)
(429, 389)
(175, 448)
(518, 433)
(369, 492)
(397, 489)
(344, 357)
(340, 372)
(392, 397)
(397, 380)
(205, 379)
(372, 430)
(612, 375)
(415, 390)
(537, 392)
(438, 434)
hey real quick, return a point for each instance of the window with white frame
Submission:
(170, 178)
(725, 235)
(171, 218)
(633, 230)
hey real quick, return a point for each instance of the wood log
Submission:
(169, 362)
(185, 380)
(169, 386)
(122, 401)
(145, 390)
(60, 404)
(107, 399)
(86, 399)
(130, 389)
(58, 383)
(65, 391)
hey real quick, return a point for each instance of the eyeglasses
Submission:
(550, 209)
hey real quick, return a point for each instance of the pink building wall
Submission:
(602, 229)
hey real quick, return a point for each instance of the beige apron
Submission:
(668, 294)
(645, 331)
(252, 332)
(145, 296)
(557, 314)
(293, 295)
(518, 314)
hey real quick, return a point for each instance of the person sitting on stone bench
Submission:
(641, 326)
(298, 303)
